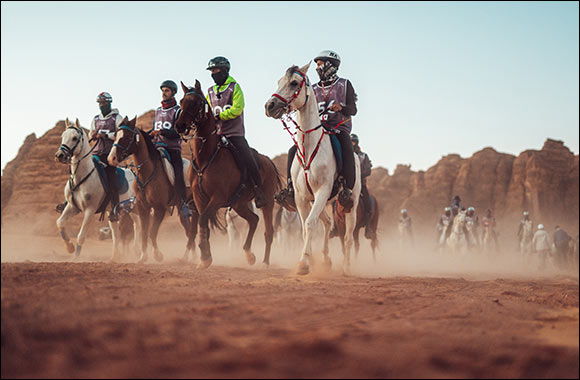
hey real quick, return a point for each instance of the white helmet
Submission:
(329, 55)
(471, 209)
(526, 213)
(447, 208)
(540, 226)
(403, 211)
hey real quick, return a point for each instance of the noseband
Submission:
(68, 152)
(297, 92)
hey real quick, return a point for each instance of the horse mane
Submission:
(149, 142)
(291, 70)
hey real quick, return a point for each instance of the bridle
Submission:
(305, 80)
(126, 150)
(69, 152)
(201, 115)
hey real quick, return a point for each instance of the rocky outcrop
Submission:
(544, 182)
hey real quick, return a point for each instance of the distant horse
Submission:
(472, 233)
(526, 239)
(84, 191)
(288, 229)
(215, 179)
(236, 226)
(406, 240)
(489, 238)
(457, 241)
(314, 170)
(339, 220)
(152, 187)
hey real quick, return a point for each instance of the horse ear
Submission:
(125, 121)
(197, 85)
(305, 68)
(184, 87)
(66, 123)
(77, 123)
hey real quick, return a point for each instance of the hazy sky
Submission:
(432, 78)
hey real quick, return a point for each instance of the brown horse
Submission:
(215, 177)
(374, 221)
(152, 187)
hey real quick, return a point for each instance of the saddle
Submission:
(168, 167)
(122, 183)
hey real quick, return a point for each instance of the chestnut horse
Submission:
(339, 220)
(215, 177)
(152, 187)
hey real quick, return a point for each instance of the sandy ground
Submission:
(413, 313)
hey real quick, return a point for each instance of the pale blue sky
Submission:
(432, 78)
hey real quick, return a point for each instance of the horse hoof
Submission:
(204, 264)
(70, 247)
(265, 265)
(327, 263)
(159, 256)
(251, 258)
(303, 269)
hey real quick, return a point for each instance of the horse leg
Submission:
(116, 236)
(309, 227)
(304, 210)
(87, 219)
(158, 215)
(350, 221)
(136, 234)
(191, 234)
(252, 219)
(144, 215)
(326, 224)
(268, 213)
(356, 241)
(67, 213)
(204, 247)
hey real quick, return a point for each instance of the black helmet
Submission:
(170, 84)
(219, 63)
(354, 138)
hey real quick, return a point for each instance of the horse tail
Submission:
(216, 222)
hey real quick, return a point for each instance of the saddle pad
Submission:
(168, 167)
(122, 183)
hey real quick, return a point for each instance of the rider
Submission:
(366, 166)
(336, 105)
(103, 129)
(164, 134)
(489, 221)
(227, 102)
(526, 221)
(406, 222)
(541, 245)
(456, 205)
(470, 216)
(444, 223)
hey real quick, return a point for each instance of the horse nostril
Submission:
(270, 106)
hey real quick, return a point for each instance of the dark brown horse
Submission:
(374, 221)
(215, 177)
(152, 187)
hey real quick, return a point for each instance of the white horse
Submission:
(314, 168)
(526, 239)
(489, 241)
(84, 191)
(472, 232)
(289, 229)
(457, 241)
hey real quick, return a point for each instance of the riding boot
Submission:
(348, 170)
(285, 196)
(114, 193)
(248, 162)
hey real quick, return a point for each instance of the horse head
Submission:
(195, 111)
(126, 139)
(71, 142)
(459, 222)
(289, 95)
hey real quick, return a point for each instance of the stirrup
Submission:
(185, 210)
(345, 198)
(113, 216)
